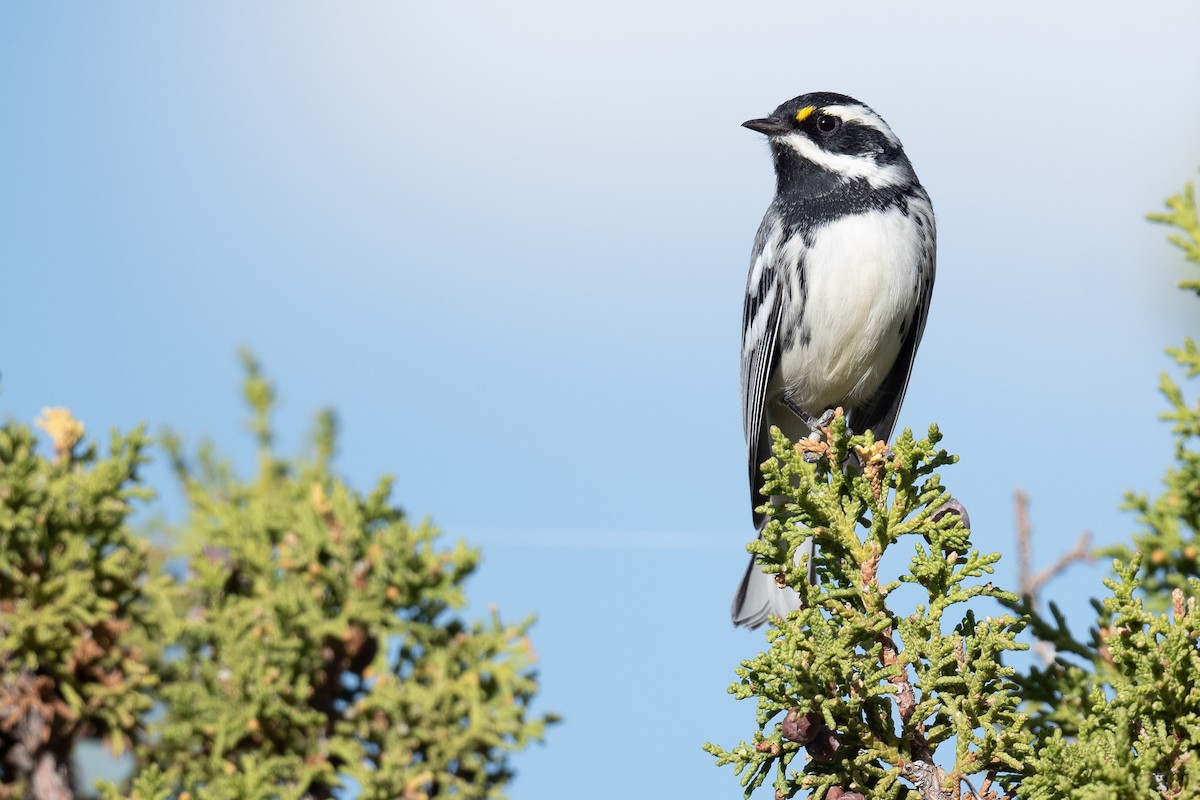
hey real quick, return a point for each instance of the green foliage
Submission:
(1183, 217)
(315, 643)
(1171, 521)
(78, 605)
(873, 695)
(1126, 723)
(1139, 730)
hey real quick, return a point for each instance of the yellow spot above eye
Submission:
(803, 113)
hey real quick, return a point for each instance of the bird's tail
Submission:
(759, 595)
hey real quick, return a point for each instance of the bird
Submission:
(841, 275)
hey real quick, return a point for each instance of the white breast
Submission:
(861, 278)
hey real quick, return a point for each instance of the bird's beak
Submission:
(771, 126)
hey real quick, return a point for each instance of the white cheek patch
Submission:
(848, 166)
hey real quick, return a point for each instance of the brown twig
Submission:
(1024, 544)
(29, 709)
(926, 777)
(1082, 551)
(922, 772)
(1030, 584)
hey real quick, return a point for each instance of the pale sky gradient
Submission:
(509, 242)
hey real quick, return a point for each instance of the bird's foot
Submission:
(816, 445)
(815, 424)
(813, 451)
(826, 418)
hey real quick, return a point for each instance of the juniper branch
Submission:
(870, 694)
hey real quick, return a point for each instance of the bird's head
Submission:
(838, 135)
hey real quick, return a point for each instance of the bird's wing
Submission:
(760, 328)
(879, 414)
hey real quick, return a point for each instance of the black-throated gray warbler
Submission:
(840, 280)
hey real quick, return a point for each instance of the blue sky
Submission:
(509, 242)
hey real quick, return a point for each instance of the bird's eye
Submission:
(827, 123)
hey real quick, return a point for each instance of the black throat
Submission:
(807, 193)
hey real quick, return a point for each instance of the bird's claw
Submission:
(815, 445)
(817, 425)
(820, 425)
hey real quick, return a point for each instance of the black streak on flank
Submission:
(791, 336)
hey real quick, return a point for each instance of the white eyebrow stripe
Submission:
(863, 116)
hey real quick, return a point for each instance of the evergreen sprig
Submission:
(1126, 722)
(79, 605)
(870, 693)
(1170, 522)
(1139, 731)
(317, 647)
(1182, 216)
